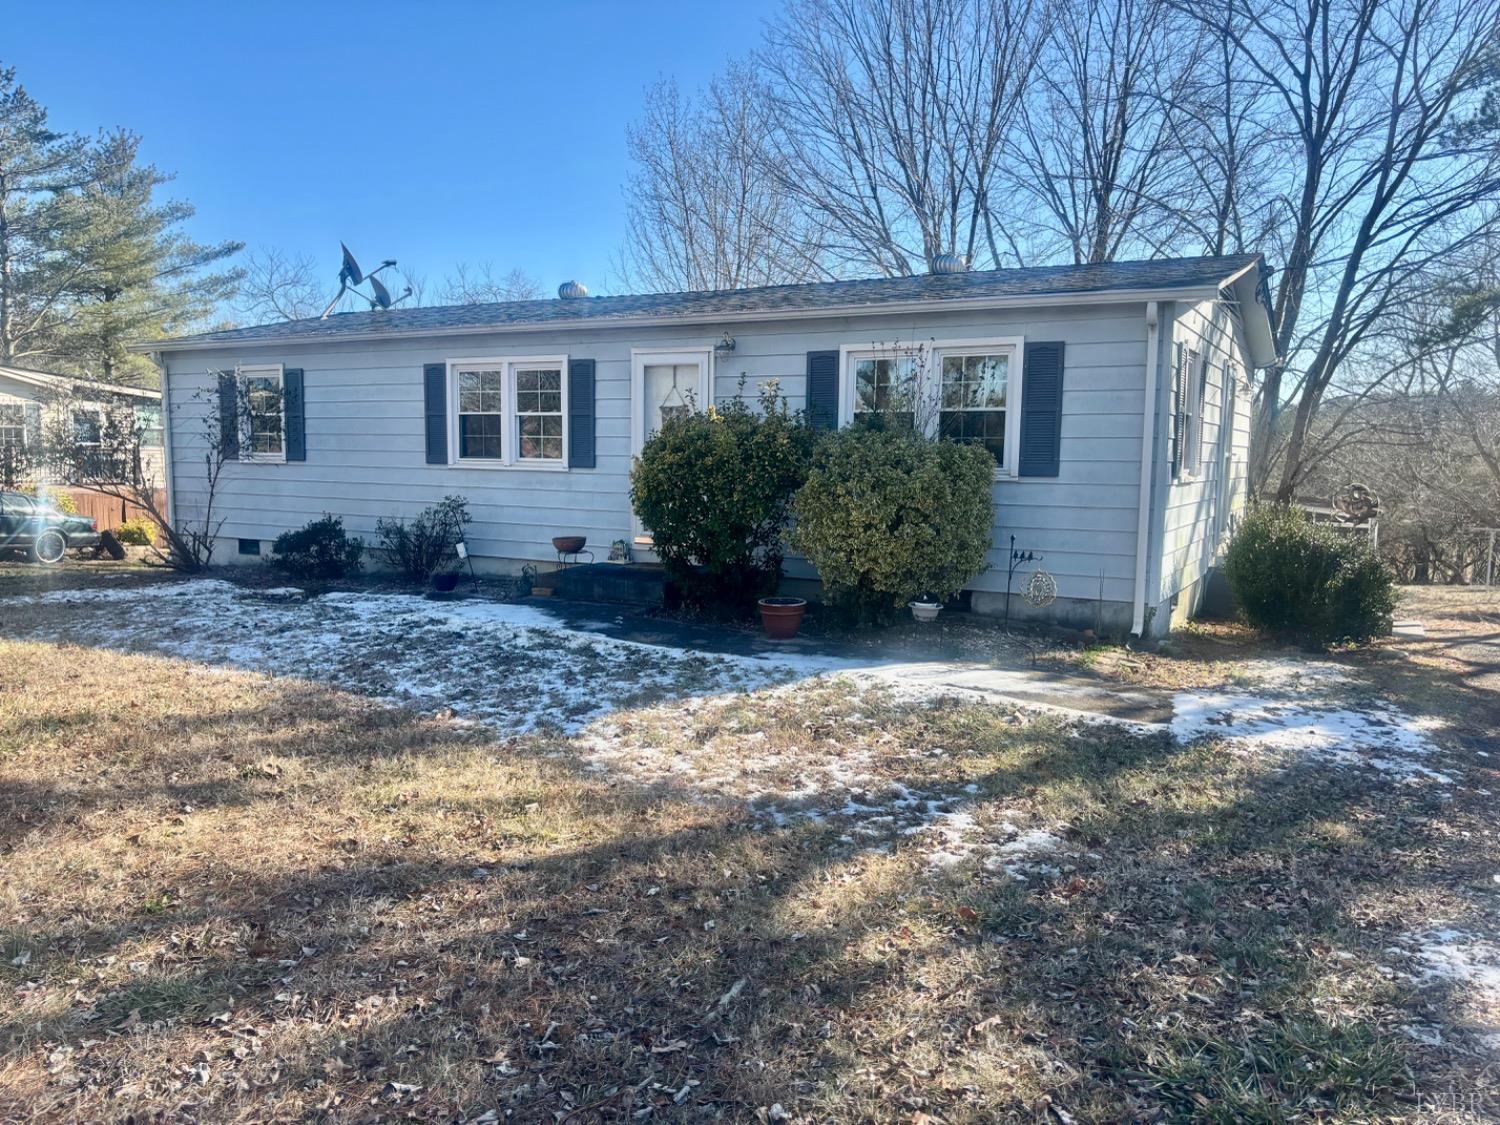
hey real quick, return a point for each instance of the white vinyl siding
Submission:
(364, 409)
(1210, 488)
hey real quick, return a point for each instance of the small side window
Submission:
(249, 546)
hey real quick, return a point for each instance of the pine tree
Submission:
(142, 275)
(39, 167)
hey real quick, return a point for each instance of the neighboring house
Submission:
(32, 403)
(1114, 398)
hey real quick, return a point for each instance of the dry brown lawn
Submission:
(235, 897)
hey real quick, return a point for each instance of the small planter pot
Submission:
(782, 617)
(925, 611)
(445, 582)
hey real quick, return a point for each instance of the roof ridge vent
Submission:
(572, 290)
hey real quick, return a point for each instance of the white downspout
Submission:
(166, 438)
(1148, 459)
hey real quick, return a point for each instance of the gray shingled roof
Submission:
(1168, 274)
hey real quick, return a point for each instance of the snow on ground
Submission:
(507, 665)
(843, 783)
(517, 668)
(1466, 963)
(1308, 709)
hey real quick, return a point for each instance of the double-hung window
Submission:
(148, 425)
(264, 404)
(481, 414)
(539, 416)
(958, 390)
(12, 427)
(509, 411)
(972, 395)
(886, 385)
(88, 425)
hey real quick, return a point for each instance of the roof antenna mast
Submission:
(351, 277)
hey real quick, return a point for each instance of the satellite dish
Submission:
(351, 271)
(382, 294)
(350, 276)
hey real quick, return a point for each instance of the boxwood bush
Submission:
(888, 515)
(319, 549)
(714, 488)
(1307, 583)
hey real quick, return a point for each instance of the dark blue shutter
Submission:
(229, 415)
(435, 401)
(823, 390)
(580, 414)
(295, 414)
(1041, 411)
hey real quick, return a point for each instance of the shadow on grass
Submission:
(682, 940)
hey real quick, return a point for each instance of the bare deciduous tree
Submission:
(704, 210)
(1100, 140)
(280, 286)
(483, 284)
(890, 120)
(1389, 169)
(117, 463)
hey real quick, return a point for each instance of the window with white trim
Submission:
(481, 414)
(886, 384)
(265, 413)
(509, 411)
(539, 416)
(13, 426)
(148, 425)
(958, 390)
(88, 425)
(972, 399)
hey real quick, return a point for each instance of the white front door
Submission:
(664, 384)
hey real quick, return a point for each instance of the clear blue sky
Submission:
(428, 132)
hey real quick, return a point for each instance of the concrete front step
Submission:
(641, 584)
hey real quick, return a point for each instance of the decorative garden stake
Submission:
(1016, 559)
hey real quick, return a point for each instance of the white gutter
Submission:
(1023, 300)
(1148, 462)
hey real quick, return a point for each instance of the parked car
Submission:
(32, 525)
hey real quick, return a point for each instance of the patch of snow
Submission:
(1471, 963)
(512, 666)
(1458, 956)
(517, 668)
(1304, 709)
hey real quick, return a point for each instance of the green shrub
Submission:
(320, 549)
(888, 515)
(136, 532)
(714, 488)
(420, 547)
(1307, 583)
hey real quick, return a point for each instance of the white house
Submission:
(33, 401)
(1113, 397)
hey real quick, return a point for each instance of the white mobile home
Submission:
(1116, 406)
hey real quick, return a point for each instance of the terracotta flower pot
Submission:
(782, 617)
(568, 544)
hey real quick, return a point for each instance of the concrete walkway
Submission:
(903, 665)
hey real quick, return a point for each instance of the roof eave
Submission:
(1253, 297)
(1111, 297)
